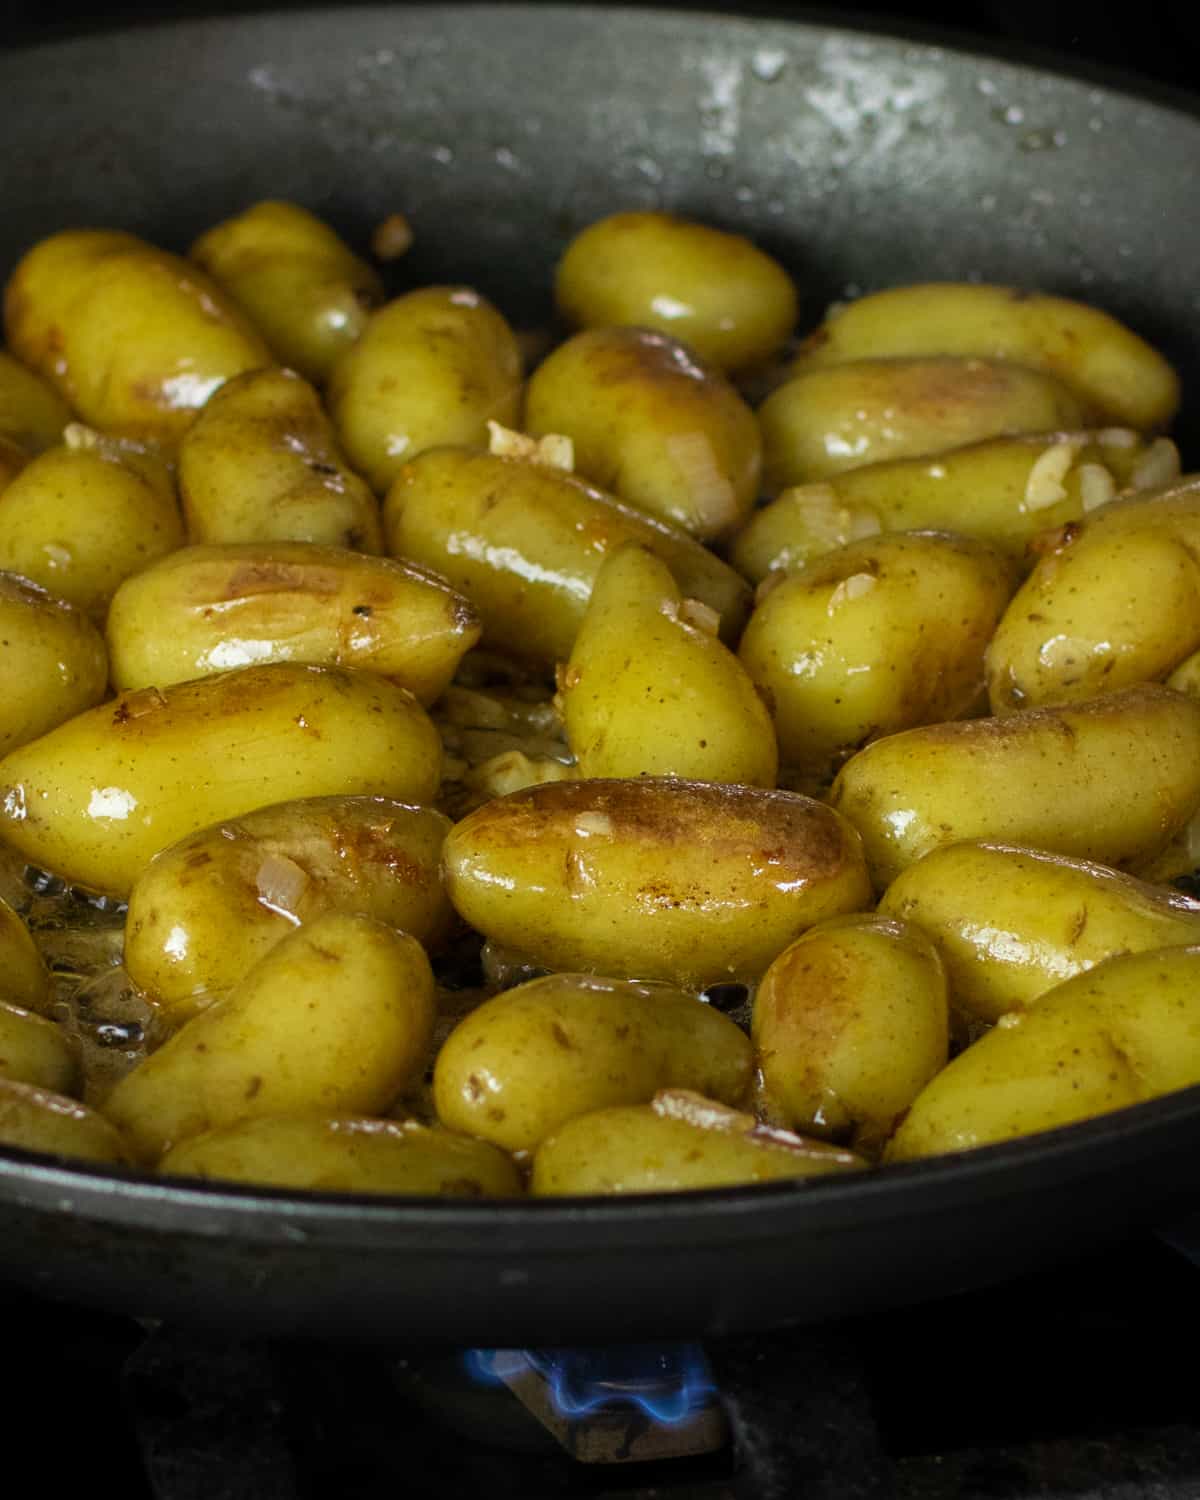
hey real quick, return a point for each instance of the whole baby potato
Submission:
(524, 542)
(1110, 367)
(134, 339)
(34, 1050)
(654, 425)
(678, 1142)
(352, 1154)
(52, 659)
(850, 1022)
(38, 1119)
(649, 690)
(206, 909)
(1011, 923)
(336, 1019)
(533, 1057)
(261, 463)
(303, 286)
(688, 882)
(1115, 601)
(828, 419)
(95, 799)
(209, 609)
(872, 638)
(23, 978)
(1125, 1031)
(1111, 780)
(716, 292)
(32, 413)
(82, 517)
(430, 368)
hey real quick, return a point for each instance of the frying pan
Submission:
(861, 161)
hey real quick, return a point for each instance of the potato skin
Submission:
(1047, 777)
(688, 882)
(647, 692)
(650, 422)
(524, 543)
(1013, 922)
(37, 1119)
(32, 413)
(23, 978)
(530, 1059)
(95, 799)
(300, 283)
(207, 609)
(261, 463)
(351, 1154)
(336, 1019)
(206, 909)
(1125, 1031)
(872, 638)
(850, 1022)
(34, 1050)
(826, 420)
(52, 658)
(1109, 365)
(430, 368)
(134, 339)
(716, 292)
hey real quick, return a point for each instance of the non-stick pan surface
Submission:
(859, 160)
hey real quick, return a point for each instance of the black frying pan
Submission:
(859, 160)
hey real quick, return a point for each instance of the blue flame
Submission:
(668, 1382)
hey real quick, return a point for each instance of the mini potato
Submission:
(348, 1155)
(38, 1119)
(1125, 1031)
(1109, 366)
(336, 1019)
(874, 637)
(205, 910)
(851, 1021)
(716, 292)
(82, 517)
(683, 881)
(32, 413)
(525, 542)
(1004, 492)
(302, 285)
(678, 1142)
(525, 1062)
(1114, 600)
(136, 340)
(209, 609)
(34, 1050)
(430, 368)
(652, 424)
(1045, 777)
(52, 659)
(262, 464)
(1011, 923)
(829, 419)
(23, 978)
(649, 690)
(95, 799)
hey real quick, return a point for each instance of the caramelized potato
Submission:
(684, 881)
(430, 368)
(52, 658)
(208, 609)
(23, 978)
(95, 799)
(716, 292)
(262, 464)
(34, 1050)
(303, 287)
(37, 1119)
(654, 425)
(32, 413)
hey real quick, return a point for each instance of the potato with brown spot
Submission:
(52, 659)
(38, 1119)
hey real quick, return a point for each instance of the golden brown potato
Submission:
(684, 881)
(134, 339)
(430, 368)
(95, 799)
(34, 1050)
(209, 609)
(716, 292)
(261, 464)
(32, 413)
(654, 425)
(37, 1119)
(52, 661)
(304, 288)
